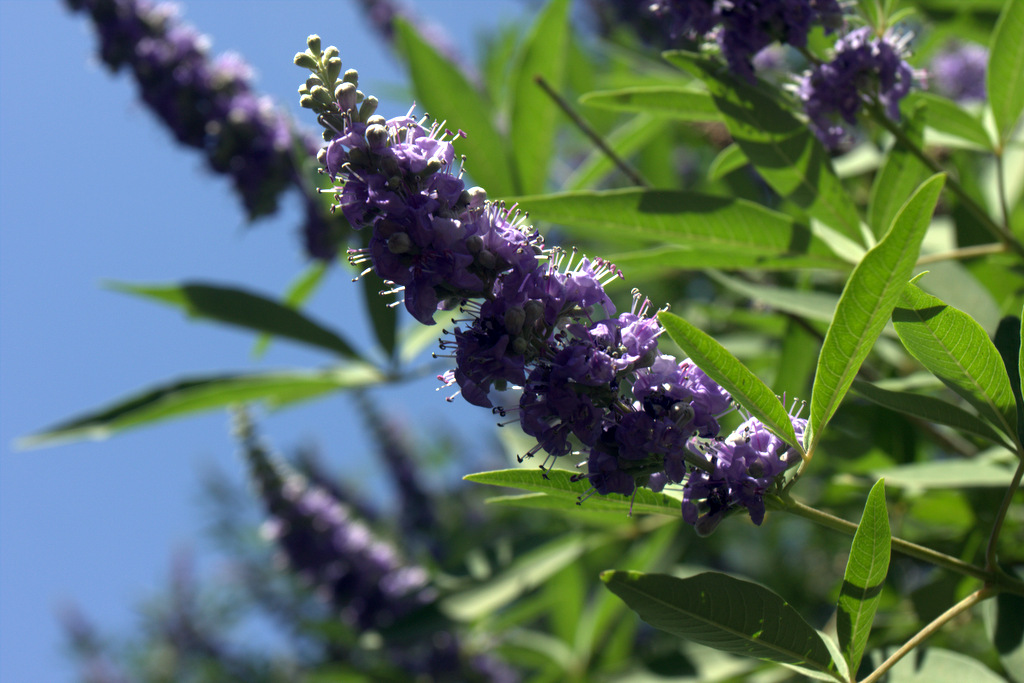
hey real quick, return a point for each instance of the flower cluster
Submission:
(743, 28)
(865, 66)
(323, 543)
(538, 320)
(959, 72)
(209, 104)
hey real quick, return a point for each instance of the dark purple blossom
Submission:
(865, 67)
(959, 72)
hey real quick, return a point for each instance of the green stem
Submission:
(990, 552)
(1001, 233)
(994, 578)
(922, 635)
(594, 136)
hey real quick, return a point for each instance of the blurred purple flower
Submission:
(959, 72)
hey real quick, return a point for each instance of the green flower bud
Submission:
(515, 318)
(377, 136)
(474, 244)
(321, 156)
(351, 76)
(333, 69)
(486, 259)
(367, 108)
(306, 102)
(313, 43)
(358, 158)
(313, 81)
(399, 243)
(330, 53)
(306, 61)
(321, 96)
(433, 166)
(376, 120)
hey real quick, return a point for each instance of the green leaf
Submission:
(901, 174)
(625, 140)
(721, 230)
(725, 162)
(559, 484)
(1005, 66)
(1004, 623)
(946, 116)
(949, 474)
(244, 309)
(1008, 342)
(865, 304)
(955, 348)
(444, 91)
(725, 613)
(807, 304)
(745, 387)
(678, 102)
(785, 152)
(198, 394)
(928, 408)
(866, 570)
(299, 291)
(534, 114)
(935, 665)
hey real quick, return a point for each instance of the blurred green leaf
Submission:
(1004, 623)
(1005, 66)
(678, 102)
(807, 304)
(446, 94)
(560, 484)
(946, 116)
(785, 152)
(935, 665)
(725, 162)
(244, 309)
(534, 114)
(866, 303)
(949, 474)
(727, 614)
(193, 395)
(866, 570)
(900, 175)
(928, 408)
(719, 230)
(745, 387)
(954, 348)
(625, 140)
(296, 295)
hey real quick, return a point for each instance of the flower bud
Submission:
(333, 69)
(306, 102)
(367, 108)
(486, 259)
(330, 53)
(306, 61)
(321, 156)
(321, 96)
(313, 81)
(377, 137)
(515, 317)
(474, 244)
(351, 76)
(399, 243)
(313, 43)
(473, 198)
(376, 120)
(345, 94)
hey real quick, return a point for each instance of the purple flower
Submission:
(959, 72)
(865, 67)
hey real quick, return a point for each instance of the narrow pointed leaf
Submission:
(745, 387)
(559, 484)
(198, 394)
(1005, 66)
(446, 94)
(866, 570)
(722, 228)
(297, 294)
(900, 175)
(955, 348)
(949, 474)
(928, 408)
(677, 102)
(534, 114)
(724, 613)
(946, 116)
(243, 309)
(866, 303)
(728, 160)
(782, 148)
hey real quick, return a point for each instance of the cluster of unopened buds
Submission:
(529, 318)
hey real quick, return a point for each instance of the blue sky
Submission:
(92, 189)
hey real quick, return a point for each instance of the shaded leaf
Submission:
(955, 348)
(866, 303)
(928, 408)
(677, 102)
(725, 162)
(782, 148)
(1005, 66)
(866, 570)
(534, 114)
(198, 394)
(949, 474)
(1008, 341)
(446, 94)
(721, 228)
(745, 387)
(559, 484)
(900, 175)
(725, 613)
(244, 309)
(296, 295)
(625, 140)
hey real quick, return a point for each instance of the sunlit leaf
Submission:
(745, 387)
(1005, 66)
(866, 303)
(936, 665)
(725, 613)
(198, 394)
(728, 160)
(866, 570)
(678, 102)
